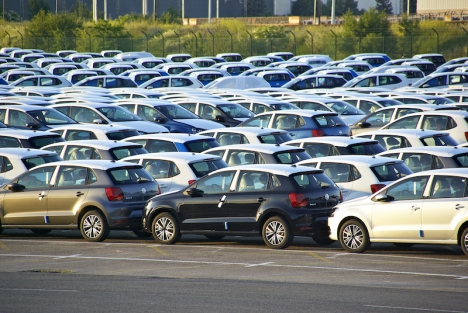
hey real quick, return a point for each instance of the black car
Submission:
(276, 202)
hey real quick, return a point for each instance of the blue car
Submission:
(276, 78)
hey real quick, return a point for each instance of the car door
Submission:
(207, 212)
(344, 176)
(408, 122)
(67, 194)
(444, 207)
(28, 206)
(161, 170)
(401, 217)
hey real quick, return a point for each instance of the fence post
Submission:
(35, 39)
(311, 37)
(335, 41)
(250, 42)
(89, 36)
(103, 43)
(74, 37)
(359, 44)
(146, 40)
(47, 34)
(196, 43)
(437, 39)
(9, 38)
(213, 40)
(231, 39)
(178, 36)
(131, 39)
(411, 42)
(22, 41)
(269, 36)
(295, 43)
(466, 32)
(383, 43)
(162, 36)
(63, 39)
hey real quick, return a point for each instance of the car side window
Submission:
(5, 165)
(71, 176)
(155, 146)
(80, 135)
(340, 173)
(259, 121)
(84, 115)
(217, 183)
(56, 149)
(7, 142)
(408, 189)
(19, 119)
(317, 150)
(148, 113)
(253, 181)
(81, 153)
(448, 187)
(2, 115)
(37, 178)
(192, 107)
(409, 122)
(435, 122)
(418, 162)
(158, 168)
(403, 112)
(380, 118)
(392, 142)
(285, 121)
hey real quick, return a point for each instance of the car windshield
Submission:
(119, 135)
(201, 145)
(233, 110)
(285, 106)
(344, 108)
(41, 141)
(366, 148)
(40, 159)
(390, 171)
(129, 175)
(438, 140)
(440, 100)
(118, 114)
(389, 102)
(51, 117)
(291, 157)
(461, 159)
(274, 138)
(123, 152)
(176, 112)
(207, 166)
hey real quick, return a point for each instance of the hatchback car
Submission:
(16, 138)
(315, 81)
(428, 207)
(92, 196)
(385, 80)
(175, 171)
(174, 142)
(245, 135)
(442, 80)
(95, 132)
(301, 123)
(172, 81)
(107, 81)
(42, 81)
(277, 202)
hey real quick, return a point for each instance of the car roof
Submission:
(24, 152)
(188, 157)
(443, 151)
(455, 171)
(99, 144)
(261, 147)
(94, 164)
(247, 130)
(277, 169)
(175, 137)
(335, 140)
(308, 113)
(420, 133)
(452, 113)
(85, 105)
(100, 127)
(24, 134)
(364, 160)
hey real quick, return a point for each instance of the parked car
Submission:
(245, 135)
(293, 201)
(172, 81)
(442, 80)
(174, 142)
(436, 58)
(385, 80)
(42, 81)
(94, 132)
(107, 81)
(315, 81)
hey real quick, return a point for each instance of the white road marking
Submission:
(259, 264)
(237, 263)
(67, 256)
(407, 308)
(24, 289)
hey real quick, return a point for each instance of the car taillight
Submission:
(466, 136)
(159, 190)
(350, 133)
(376, 187)
(341, 196)
(114, 194)
(298, 200)
(191, 181)
(318, 133)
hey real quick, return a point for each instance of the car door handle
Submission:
(459, 206)
(79, 193)
(260, 199)
(291, 134)
(415, 208)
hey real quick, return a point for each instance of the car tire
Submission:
(403, 245)
(94, 227)
(354, 237)
(464, 241)
(141, 233)
(323, 240)
(165, 229)
(40, 231)
(214, 237)
(276, 233)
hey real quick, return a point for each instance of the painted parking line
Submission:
(398, 308)
(157, 249)
(3, 246)
(315, 255)
(50, 290)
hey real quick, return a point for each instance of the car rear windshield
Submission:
(291, 156)
(123, 152)
(176, 112)
(461, 159)
(366, 148)
(274, 138)
(201, 145)
(390, 171)
(41, 141)
(122, 134)
(438, 140)
(40, 159)
(129, 175)
(207, 166)
(312, 180)
(328, 120)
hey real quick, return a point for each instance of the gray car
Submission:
(92, 196)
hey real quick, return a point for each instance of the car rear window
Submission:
(41, 141)
(207, 166)
(123, 152)
(328, 120)
(312, 180)
(461, 159)
(129, 175)
(439, 141)
(366, 148)
(390, 171)
(274, 138)
(122, 134)
(201, 145)
(40, 159)
(291, 157)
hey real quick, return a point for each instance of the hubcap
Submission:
(92, 226)
(353, 237)
(164, 229)
(275, 233)
(465, 242)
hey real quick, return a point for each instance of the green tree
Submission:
(81, 10)
(171, 16)
(303, 8)
(384, 6)
(255, 7)
(408, 25)
(341, 7)
(10, 16)
(35, 6)
(44, 22)
(371, 22)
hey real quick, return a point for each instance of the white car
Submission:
(174, 142)
(245, 135)
(42, 81)
(94, 132)
(442, 80)
(429, 207)
(172, 81)
(385, 80)
(174, 171)
(16, 161)
(360, 175)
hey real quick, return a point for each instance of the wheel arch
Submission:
(158, 210)
(88, 208)
(460, 231)
(349, 218)
(265, 216)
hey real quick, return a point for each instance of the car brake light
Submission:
(318, 133)
(191, 181)
(114, 194)
(341, 196)
(466, 136)
(298, 200)
(159, 190)
(376, 187)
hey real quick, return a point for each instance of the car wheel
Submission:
(40, 231)
(94, 226)
(323, 240)
(276, 233)
(166, 229)
(1, 228)
(403, 244)
(464, 241)
(354, 237)
(141, 233)
(214, 237)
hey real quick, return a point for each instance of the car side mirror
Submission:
(33, 126)
(219, 118)
(364, 124)
(15, 187)
(381, 197)
(160, 120)
(97, 121)
(194, 192)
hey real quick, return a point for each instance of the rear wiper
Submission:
(142, 180)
